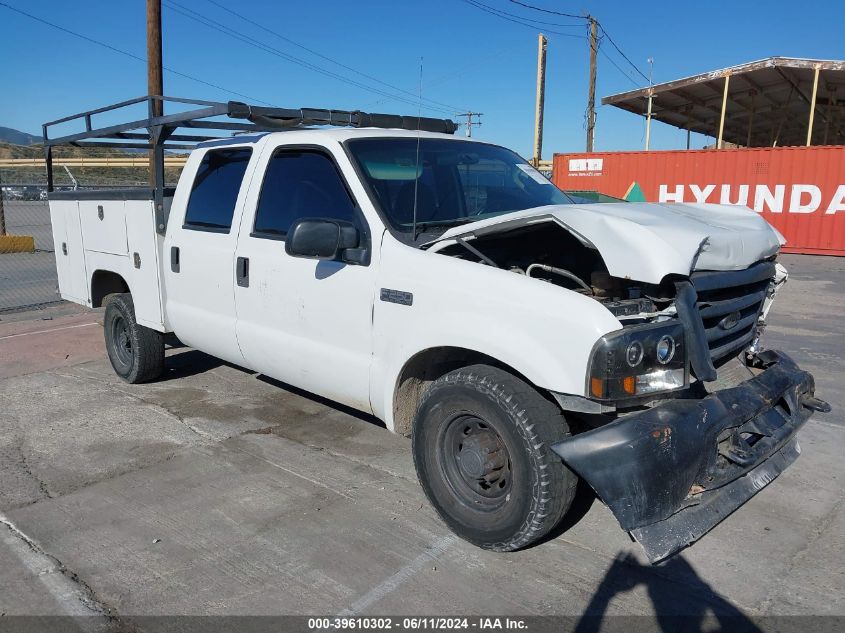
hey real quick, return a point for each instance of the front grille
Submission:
(729, 305)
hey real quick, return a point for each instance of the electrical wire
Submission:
(325, 57)
(566, 15)
(619, 50)
(541, 22)
(604, 30)
(522, 21)
(222, 28)
(132, 55)
(619, 68)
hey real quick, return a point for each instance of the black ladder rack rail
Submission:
(159, 133)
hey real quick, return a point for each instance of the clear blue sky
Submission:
(471, 59)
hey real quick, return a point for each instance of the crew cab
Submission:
(522, 340)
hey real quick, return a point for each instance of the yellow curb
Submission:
(17, 244)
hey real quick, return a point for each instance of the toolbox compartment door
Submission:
(69, 251)
(104, 226)
(144, 265)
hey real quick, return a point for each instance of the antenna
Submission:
(417, 162)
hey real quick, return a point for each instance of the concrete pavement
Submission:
(217, 491)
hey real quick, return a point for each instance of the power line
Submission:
(222, 28)
(633, 65)
(321, 56)
(520, 17)
(604, 30)
(132, 55)
(618, 67)
(516, 20)
(566, 15)
(459, 72)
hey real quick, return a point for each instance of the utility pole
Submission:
(154, 79)
(650, 98)
(470, 123)
(541, 95)
(591, 98)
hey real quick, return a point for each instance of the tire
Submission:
(136, 352)
(481, 440)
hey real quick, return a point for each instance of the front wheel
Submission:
(136, 352)
(481, 440)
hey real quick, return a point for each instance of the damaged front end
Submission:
(697, 418)
(671, 473)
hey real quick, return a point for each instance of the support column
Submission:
(831, 102)
(2, 212)
(648, 120)
(752, 94)
(813, 105)
(724, 109)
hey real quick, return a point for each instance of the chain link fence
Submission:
(27, 260)
(27, 267)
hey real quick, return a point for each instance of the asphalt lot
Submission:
(218, 491)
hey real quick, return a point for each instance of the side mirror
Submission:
(317, 238)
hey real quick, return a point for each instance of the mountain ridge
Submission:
(16, 137)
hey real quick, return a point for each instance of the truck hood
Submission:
(647, 241)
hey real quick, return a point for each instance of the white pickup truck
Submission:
(522, 340)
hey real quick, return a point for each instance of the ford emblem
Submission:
(730, 321)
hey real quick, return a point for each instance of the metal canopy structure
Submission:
(162, 133)
(779, 101)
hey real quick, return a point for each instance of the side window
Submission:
(301, 184)
(215, 191)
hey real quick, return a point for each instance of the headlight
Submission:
(665, 349)
(638, 360)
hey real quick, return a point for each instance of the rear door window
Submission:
(212, 201)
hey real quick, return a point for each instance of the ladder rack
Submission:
(159, 132)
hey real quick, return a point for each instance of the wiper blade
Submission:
(436, 223)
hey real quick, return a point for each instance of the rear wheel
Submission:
(136, 352)
(481, 442)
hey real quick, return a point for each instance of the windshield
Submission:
(454, 181)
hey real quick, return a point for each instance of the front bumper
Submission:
(671, 473)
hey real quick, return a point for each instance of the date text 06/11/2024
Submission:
(416, 623)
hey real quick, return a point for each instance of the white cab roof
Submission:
(327, 135)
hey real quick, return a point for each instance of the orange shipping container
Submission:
(799, 190)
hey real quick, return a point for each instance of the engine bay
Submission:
(548, 252)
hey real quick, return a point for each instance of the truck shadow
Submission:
(681, 600)
(581, 504)
(188, 362)
(331, 404)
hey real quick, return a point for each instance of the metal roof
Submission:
(768, 102)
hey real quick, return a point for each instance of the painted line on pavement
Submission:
(55, 329)
(389, 585)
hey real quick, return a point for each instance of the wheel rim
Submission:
(475, 462)
(121, 341)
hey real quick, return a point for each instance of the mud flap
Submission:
(673, 472)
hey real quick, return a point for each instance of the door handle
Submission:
(174, 259)
(242, 272)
